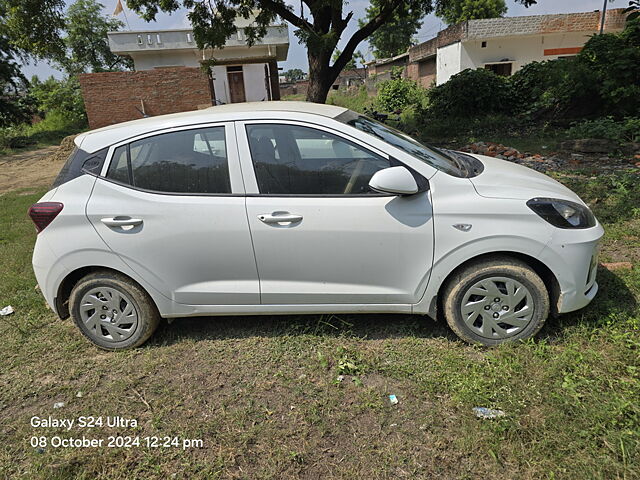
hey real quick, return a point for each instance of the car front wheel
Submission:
(112, 311)
(496, 300)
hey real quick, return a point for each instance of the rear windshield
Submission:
(428, 154)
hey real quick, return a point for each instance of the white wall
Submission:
(448, 62)
(148, 60)
(521, 50)
(254, 82)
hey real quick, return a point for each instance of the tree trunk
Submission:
(321, 77)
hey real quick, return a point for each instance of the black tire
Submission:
(147, 316)
(481, 317)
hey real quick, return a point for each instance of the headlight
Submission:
(562, 213)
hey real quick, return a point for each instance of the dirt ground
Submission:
(33, 168)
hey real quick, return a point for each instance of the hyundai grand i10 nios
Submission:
(292, 208)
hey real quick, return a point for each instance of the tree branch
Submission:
(282, 10)
(359, 36)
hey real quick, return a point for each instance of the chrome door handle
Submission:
(283, 217)
(121, 221)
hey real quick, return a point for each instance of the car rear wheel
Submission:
(112, 311)
(495, 301)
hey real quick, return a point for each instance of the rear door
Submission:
(321, 236)
(172, 206)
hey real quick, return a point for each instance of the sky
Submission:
(297, 54)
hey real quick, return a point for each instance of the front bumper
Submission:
(572, 256)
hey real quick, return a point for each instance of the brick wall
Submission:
(423, 72)
(422, 50)
(545, 24)
(112, 97)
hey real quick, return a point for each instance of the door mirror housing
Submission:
(396, 180)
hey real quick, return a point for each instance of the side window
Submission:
(188, 161)
(119, 167)
(290, 159)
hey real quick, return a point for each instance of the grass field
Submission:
(263, 396)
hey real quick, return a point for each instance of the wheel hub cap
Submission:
(497, 307)
(108, 314)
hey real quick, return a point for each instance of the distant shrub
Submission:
(399, 93)
(555, 89)
(358, 101)
(614, 59)
(627, 130)
(471, 94)
(61, 96)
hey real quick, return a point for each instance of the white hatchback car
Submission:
(292, 208)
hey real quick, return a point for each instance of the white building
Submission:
(505, 45)
(239, 73)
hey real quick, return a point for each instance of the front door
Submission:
(236, 84)
(320, 235)
(165, 206)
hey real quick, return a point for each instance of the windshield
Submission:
(427, 154)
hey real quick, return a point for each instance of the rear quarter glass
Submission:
(78, 163)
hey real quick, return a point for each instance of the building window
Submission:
(484, 44)
(502, 69)
(149, 40)
(158, 39)
(140, 42)
(189, 38)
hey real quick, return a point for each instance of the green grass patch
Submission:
(262, 392)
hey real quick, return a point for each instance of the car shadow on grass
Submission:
(370, 326)
(614, 299)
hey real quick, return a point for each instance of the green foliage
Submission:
(351, 64)
(555, 88)
(294, 75)
(33, 26)
(358, 101)
(614, 60)
(396, 35)
(457, 11)
(61, 96)
(14, 104)
(471, 93)
(86, 43)
(399, 93)
(627, 130)
(50, 131)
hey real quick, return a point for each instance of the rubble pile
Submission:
(551, 161)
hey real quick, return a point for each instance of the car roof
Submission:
(100, 138)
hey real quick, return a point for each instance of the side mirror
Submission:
(396, 180)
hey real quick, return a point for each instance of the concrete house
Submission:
(169, 76)
(505, 45)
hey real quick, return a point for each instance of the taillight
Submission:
(43, 213)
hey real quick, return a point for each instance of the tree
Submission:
(12, 86)
(351, 64)
(33, 27)
(396, 35)
(86, 44)
(319, 26)
(456, 11)
(294, 75)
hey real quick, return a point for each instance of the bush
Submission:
(614, 60)
(555, 89)
(471, 94)
(627, 130)
(399, 93)
(61, 96)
